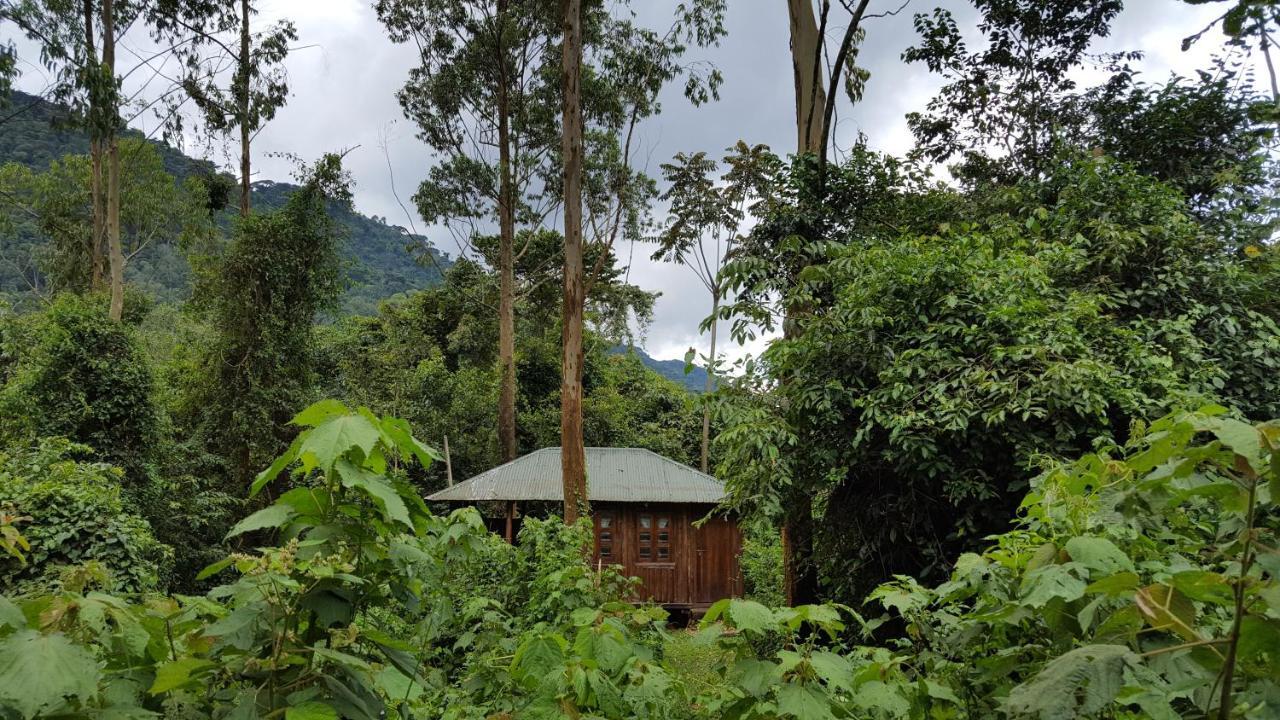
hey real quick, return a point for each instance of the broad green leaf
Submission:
(277, 467)
(751, 616)
(1241, 437)
(803, 702)
(1164, 608)
(402, 436)
(1204, 586)
(537, 656)
(318, 412)
(1049, 582)
(938, 691)
(307, 501)
(1113, 585)
(756, 676)
(335, 437)
(378, 490)
(39, 673)
(1099, 555)
(1260, 644)
(178, 673)
(717, 609)
(1044, 555)
(834, 669)
(881, 698)
(215, 568)
(397, 685)
(350, 661)
(11, 615)
(1080, 683)
(238, 628)
(272, 516)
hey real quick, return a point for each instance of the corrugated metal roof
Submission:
(613, 475)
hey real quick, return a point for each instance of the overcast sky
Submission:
(343, 95)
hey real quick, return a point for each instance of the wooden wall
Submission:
(677, 563)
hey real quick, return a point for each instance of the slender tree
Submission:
(572, 454)
(703, 227)
(220, 33)
(806, 53)
(815, 90)
(70, 36)
(479, 98)
(630, 68)
(111, 145)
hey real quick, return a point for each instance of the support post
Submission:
(448, 463)
(511, 513)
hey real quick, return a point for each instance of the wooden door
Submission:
(718, 543)
(654, 533)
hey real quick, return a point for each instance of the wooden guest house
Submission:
(643, 508)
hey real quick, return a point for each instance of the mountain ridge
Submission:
(378, 261)
(376, 254)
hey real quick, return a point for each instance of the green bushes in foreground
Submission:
(74, 519)
(1137, 582)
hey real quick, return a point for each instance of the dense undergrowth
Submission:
(1137, 582)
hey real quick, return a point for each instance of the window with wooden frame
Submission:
(653, 538)
(606, 545)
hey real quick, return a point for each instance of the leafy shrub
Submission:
(73, 373)
(1141, 582)
(761, 563)
(75, 515)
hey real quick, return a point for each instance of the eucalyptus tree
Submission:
(628, 67)
(221, 36)
(154, 210)
(77, 45)
(815, 103)
(815, 81)
(484, 97)
(706, 215)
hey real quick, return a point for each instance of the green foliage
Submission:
(1138, 582)
(1002, 100)
(1135, 579)
(71, 372)
(430, 358)
(761, 565)
(263, 296)
(74, 514)
(929, 373)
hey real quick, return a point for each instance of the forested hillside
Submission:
(381, 260)
(1010, 449)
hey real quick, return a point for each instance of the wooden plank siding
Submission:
(677, 563)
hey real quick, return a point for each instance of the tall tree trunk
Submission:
(572, 454)
(97, 259)
(711, 371)
(506, 260)
(242, 101)
(97, 239)
(110, 116)
(806, 44)
(800, 574)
